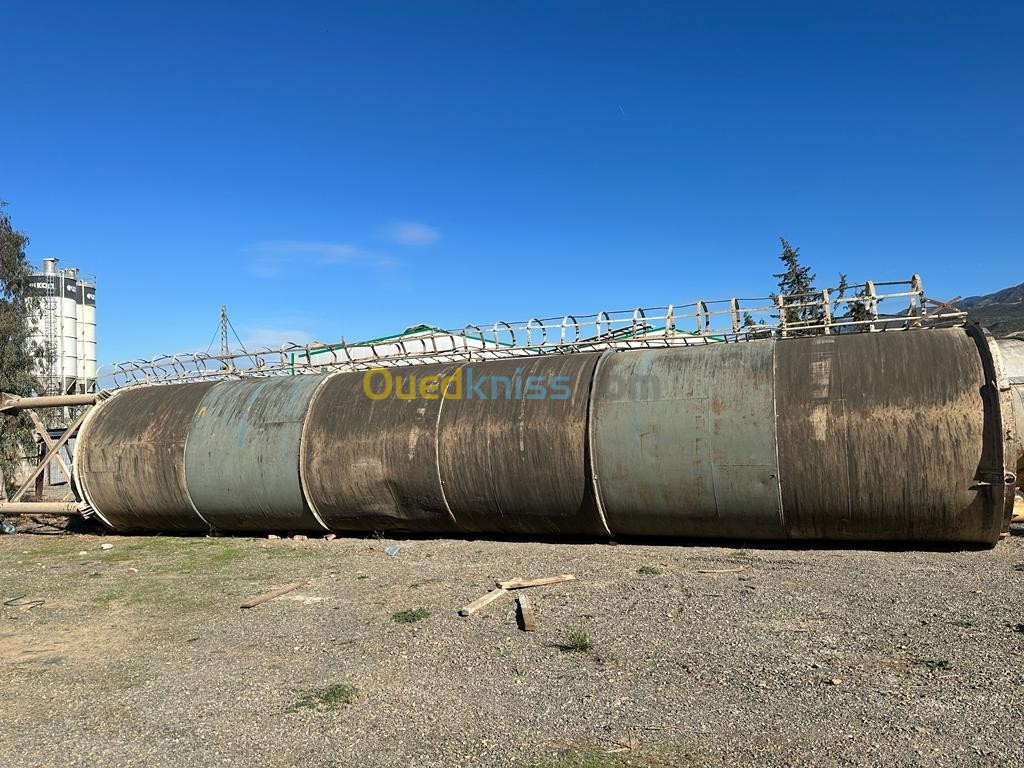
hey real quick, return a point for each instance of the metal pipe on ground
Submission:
(12, 403)
(67, 508)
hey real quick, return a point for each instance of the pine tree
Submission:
(850, 310)
(18, 354)
(798, 282)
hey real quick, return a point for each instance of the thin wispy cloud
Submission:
(328, 252)
(271, 257)
(412, 233)
(273, 338)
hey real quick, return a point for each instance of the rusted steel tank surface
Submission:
(130, 459)
(447, 448)
(370, 464)
(683, 442)
(884, 437)
(242, 455)
(895, 436)
(512, 451)
(859, 437)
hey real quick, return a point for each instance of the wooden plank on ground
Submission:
(271, 595)
(480, 602)
(526, 614)
(737, 569)
(523, 583)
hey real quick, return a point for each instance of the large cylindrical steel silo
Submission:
(896, 436)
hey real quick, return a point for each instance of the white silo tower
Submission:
(86, 334)
(69, 328)
(48, 325)
(65, 327)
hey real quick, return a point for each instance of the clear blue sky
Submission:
(358, 167)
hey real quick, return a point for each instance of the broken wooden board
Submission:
(271, 595)
(524, 583)
(527, 617)
(480, 602)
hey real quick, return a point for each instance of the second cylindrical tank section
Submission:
(242, 454)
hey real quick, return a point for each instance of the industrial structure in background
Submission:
(65, 328)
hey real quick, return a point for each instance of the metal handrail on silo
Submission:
(822, 312)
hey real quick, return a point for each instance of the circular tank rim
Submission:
(184, 477)
(437, 452)
(1008, 429)
(306, 495)
(78, 480)
(595, 480)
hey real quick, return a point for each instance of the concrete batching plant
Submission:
(65, 328)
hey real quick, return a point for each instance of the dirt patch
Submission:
(140, 653)
(29, 644)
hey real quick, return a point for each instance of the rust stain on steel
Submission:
(242, 454)
(710, 411)
(371, 465)
(131, 458)
(886, 446)
(519, 465)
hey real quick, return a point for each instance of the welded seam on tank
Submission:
(303, 486)
(778, 462)
(184, 453)
(437, 453)
(594, 481)
(78, 477)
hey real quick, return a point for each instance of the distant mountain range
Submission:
(1001, 312)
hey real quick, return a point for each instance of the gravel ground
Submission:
(140, 655)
